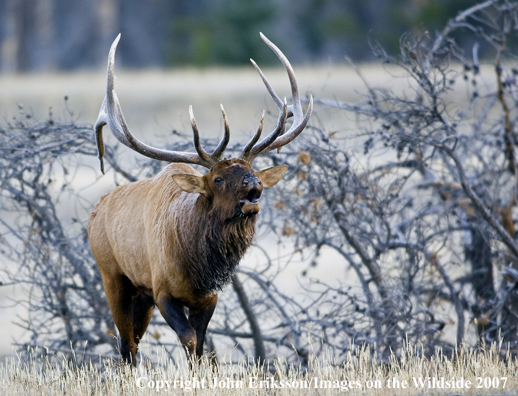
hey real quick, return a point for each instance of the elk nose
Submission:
(251, 180)
(252, 188)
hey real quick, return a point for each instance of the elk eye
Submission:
(218, 180)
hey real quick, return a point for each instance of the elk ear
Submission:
(191, 183)
(269, 177)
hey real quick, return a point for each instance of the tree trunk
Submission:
(260, 352)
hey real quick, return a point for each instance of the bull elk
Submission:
(175, 240)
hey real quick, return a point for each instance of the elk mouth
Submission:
(250, 204)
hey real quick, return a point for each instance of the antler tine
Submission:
(205, 158)
(293, 132)
(111, 114)
(226, 137)
(102, 120)
(278, 131)
(277, 138)
(269, 88)
(246, 151)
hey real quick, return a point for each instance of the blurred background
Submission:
(50, 35)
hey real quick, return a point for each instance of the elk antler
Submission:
(277, 138)
(111, 114)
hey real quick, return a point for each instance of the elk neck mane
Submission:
(219, 248)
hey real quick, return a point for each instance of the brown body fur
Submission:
(137, 229)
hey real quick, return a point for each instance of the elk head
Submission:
(233, 185)
(230, 183)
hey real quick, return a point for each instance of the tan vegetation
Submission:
(469, 371)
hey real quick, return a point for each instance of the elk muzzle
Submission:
(252, 192)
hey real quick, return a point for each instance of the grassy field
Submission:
(468, 372)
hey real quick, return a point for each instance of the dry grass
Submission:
(483, 371)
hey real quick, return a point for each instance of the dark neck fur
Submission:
(216, 248)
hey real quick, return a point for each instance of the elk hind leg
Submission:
(120, 292)
(143, 305)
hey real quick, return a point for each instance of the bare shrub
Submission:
(421, 202)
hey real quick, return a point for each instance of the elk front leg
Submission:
(199, 320)
(173, 311)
